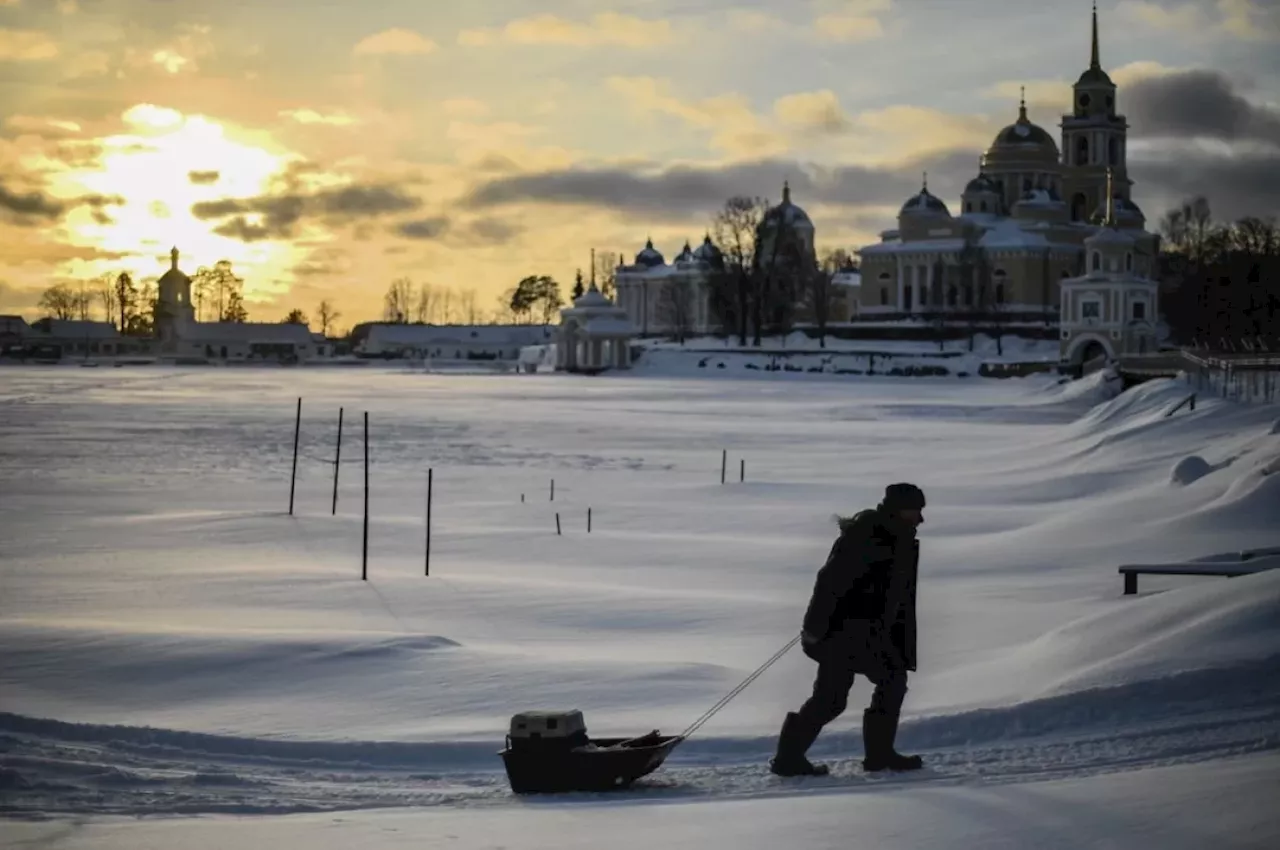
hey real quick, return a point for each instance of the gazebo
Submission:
(594, 335)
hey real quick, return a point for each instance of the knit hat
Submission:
(903, 497)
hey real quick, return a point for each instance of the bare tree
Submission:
(106, 293)
(675, 308)
(397, 303)
(327, 316)
(446, 299)
(60, 301)
(424, 307)
(467, 305)
(127, 298)
(606, 272)
(296, 317)
(818, 290)
(216, 286)
(733, 285)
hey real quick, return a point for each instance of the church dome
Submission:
(1126, 211)
(981, 183)
(649, 256)
(789, 213)
(174, 274)
(685, 255)
(1023, 139)
(707, 252)
(926, 202)
(1093, 77)
(591, 298)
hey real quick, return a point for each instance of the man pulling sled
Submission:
(861, 619)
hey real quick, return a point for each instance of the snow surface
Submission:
(175, 643)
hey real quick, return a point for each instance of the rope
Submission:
(711, 712)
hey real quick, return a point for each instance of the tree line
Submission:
(1220, 280)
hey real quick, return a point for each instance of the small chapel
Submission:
(179, 334)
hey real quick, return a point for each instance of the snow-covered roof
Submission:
(897, 246)
(251, 332)
(75, 329)
(607, 326)
(424, 335)
(847, 278)
(1109, 236)
(591, 298)
(1006, 233)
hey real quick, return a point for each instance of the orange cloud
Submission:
(26, 46)
(851, 21)
(736, 129)
(310, 116)
(394, 42)
(1247, 20)
(817, 111)
(606, 28)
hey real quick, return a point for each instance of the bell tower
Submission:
(1094, 139)
(174, 310)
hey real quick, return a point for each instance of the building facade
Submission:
(1023, 221)
(666, 298)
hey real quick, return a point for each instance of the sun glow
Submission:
(161, 166)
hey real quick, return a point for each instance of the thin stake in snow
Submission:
(293, 477)
(364, 564)
(724, 459)
(553, 490)
(588, 520)
(428, 566)
(337, 460)
(557, 523)
(742, 470)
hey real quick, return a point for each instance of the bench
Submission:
(1242, 564)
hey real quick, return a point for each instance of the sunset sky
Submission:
(326, 148)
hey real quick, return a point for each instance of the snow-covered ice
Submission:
(175, 643)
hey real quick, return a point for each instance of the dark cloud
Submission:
(29, 208)
(1197, 103)
(240, 228)
(203, 178)
(426, 228)
(281, 213)
(491, 231)
(1246, 184)
(699, 191)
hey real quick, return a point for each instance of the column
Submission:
(901, 282)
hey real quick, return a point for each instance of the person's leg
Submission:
(800, 729)
(880, 726)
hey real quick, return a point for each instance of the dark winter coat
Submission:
(863, 608)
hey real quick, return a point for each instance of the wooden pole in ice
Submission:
(427, 571)
(337, 459)
(364, 563)
(293, 476)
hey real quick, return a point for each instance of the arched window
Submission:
(968, 206)
(1128, 261)
(999, 293)
(952, 295)
(1113, 151)
(1095, 262)
(907, 292)
(1078, 202)
(1082, 150)
(1026, 184)
(884, 296)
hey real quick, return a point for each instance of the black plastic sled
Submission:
(550, 752)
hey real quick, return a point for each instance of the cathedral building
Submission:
(1022, 223)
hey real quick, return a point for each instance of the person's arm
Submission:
(846, 563)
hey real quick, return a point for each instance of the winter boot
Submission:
(793, 742)
(879, 732)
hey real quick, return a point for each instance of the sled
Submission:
(550, 752)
